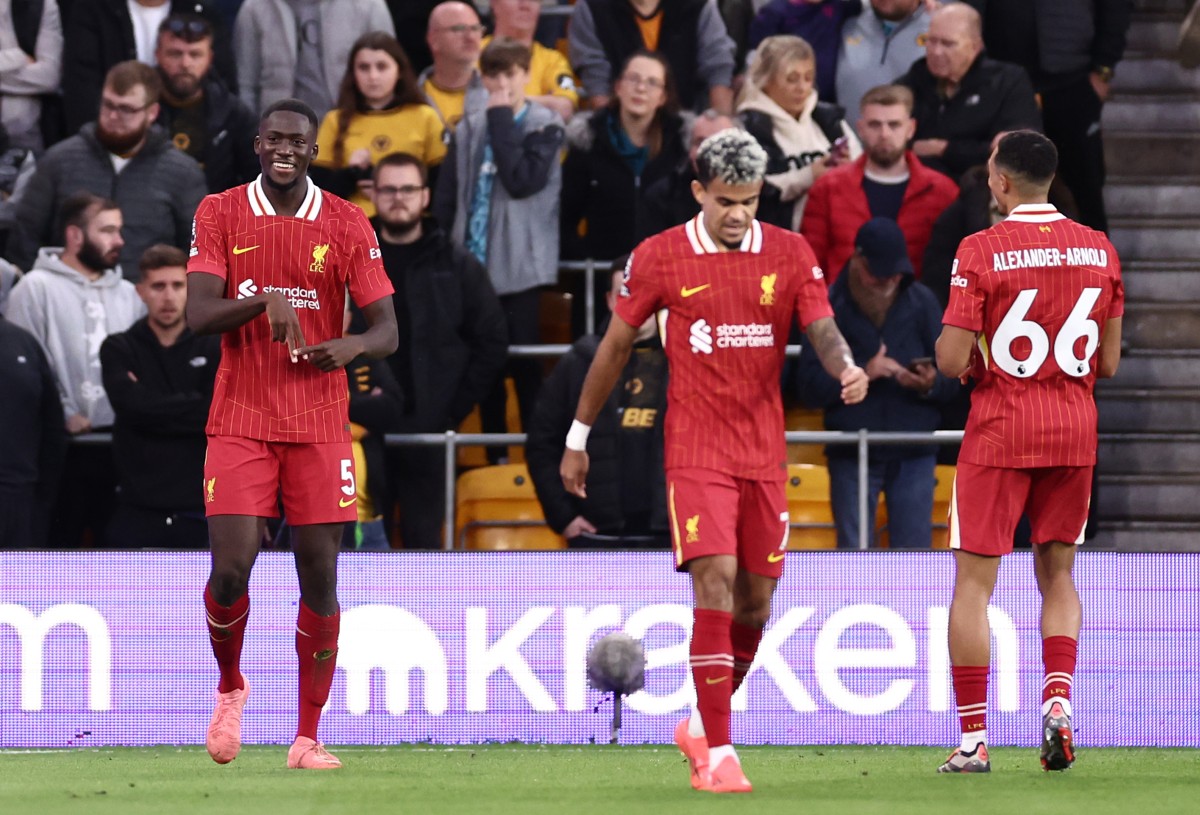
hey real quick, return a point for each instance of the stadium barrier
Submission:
(453, 439)
(109, 648)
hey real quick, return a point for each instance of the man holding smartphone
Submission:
(891, 323)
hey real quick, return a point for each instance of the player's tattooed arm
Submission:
(831, 348)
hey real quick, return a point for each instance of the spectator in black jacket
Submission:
(962, 99)
(159, 378)
(626, 484)
(33, 442)
(375, 405)
(201, 117)
(1071, 49)
(613, 155)
(98, 34)
(453, 339)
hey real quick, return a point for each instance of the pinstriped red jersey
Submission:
(728, 315)
(311, 258)
(1038, 289)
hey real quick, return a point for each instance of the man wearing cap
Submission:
(891, 323)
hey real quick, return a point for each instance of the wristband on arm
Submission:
(577, 436)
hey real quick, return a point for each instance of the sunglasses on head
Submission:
(190, 29)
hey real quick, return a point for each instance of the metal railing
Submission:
(863, 439)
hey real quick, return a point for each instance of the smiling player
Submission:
(270, 263)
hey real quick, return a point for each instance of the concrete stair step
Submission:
(1164, 282)
(1155, 370)
(1149, 498)
(1146, 536)
(1141, 200)
(1155, 240)
(1172, 9)
(1153, 153)
(1152, 35)
(1149, 453)
(1134, 410)
(1173, 325)
(1155, 74)
(1160, 112)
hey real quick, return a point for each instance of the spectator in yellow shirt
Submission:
(380, 110)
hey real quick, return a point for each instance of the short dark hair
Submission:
(293, 106)
(401, 160)
(187, 27)
(503, 53)
(161, 256)
(125, 76)
(79, 209)
(1028, 155)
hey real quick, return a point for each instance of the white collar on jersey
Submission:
(309, 208)
(703, 244)
(1034, 214)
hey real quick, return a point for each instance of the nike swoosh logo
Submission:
(775, 557)
(237, 250)
(686, 292)
(708, 680)
(345, 502)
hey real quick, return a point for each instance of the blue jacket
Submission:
(909, 332)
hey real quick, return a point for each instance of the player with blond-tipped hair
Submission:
(731, 287)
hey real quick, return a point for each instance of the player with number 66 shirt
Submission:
(1034, 317)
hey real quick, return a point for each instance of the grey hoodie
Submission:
(70, 316)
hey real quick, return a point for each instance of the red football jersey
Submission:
(1038, 289)
(311, 257)
(727, 323)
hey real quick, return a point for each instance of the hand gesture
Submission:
(574, 470)
(285, 324)
(331, 354)
(881, 366)
(854, 385)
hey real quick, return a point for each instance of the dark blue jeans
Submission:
(907, 486)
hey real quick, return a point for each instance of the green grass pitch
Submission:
(575, 780)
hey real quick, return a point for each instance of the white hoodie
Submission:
(70, 316)
(799, 139)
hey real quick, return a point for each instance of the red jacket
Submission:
(837, 207)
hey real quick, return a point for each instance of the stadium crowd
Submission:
(487, 145)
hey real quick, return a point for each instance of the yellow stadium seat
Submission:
(798, 418)
(943, 489)
(497, 509)
(809, 511)
(475, 455)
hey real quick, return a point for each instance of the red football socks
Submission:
(1058, 657)
(226, 630)
(745, 640)
(970, 692)
(316, 650)
(712, 671)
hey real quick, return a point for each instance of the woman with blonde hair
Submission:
(380, 110)
(803, 136)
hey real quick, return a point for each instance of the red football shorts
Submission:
(712, 513)
(987, 503)
(247, 476)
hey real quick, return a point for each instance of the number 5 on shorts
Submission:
(348, 476)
